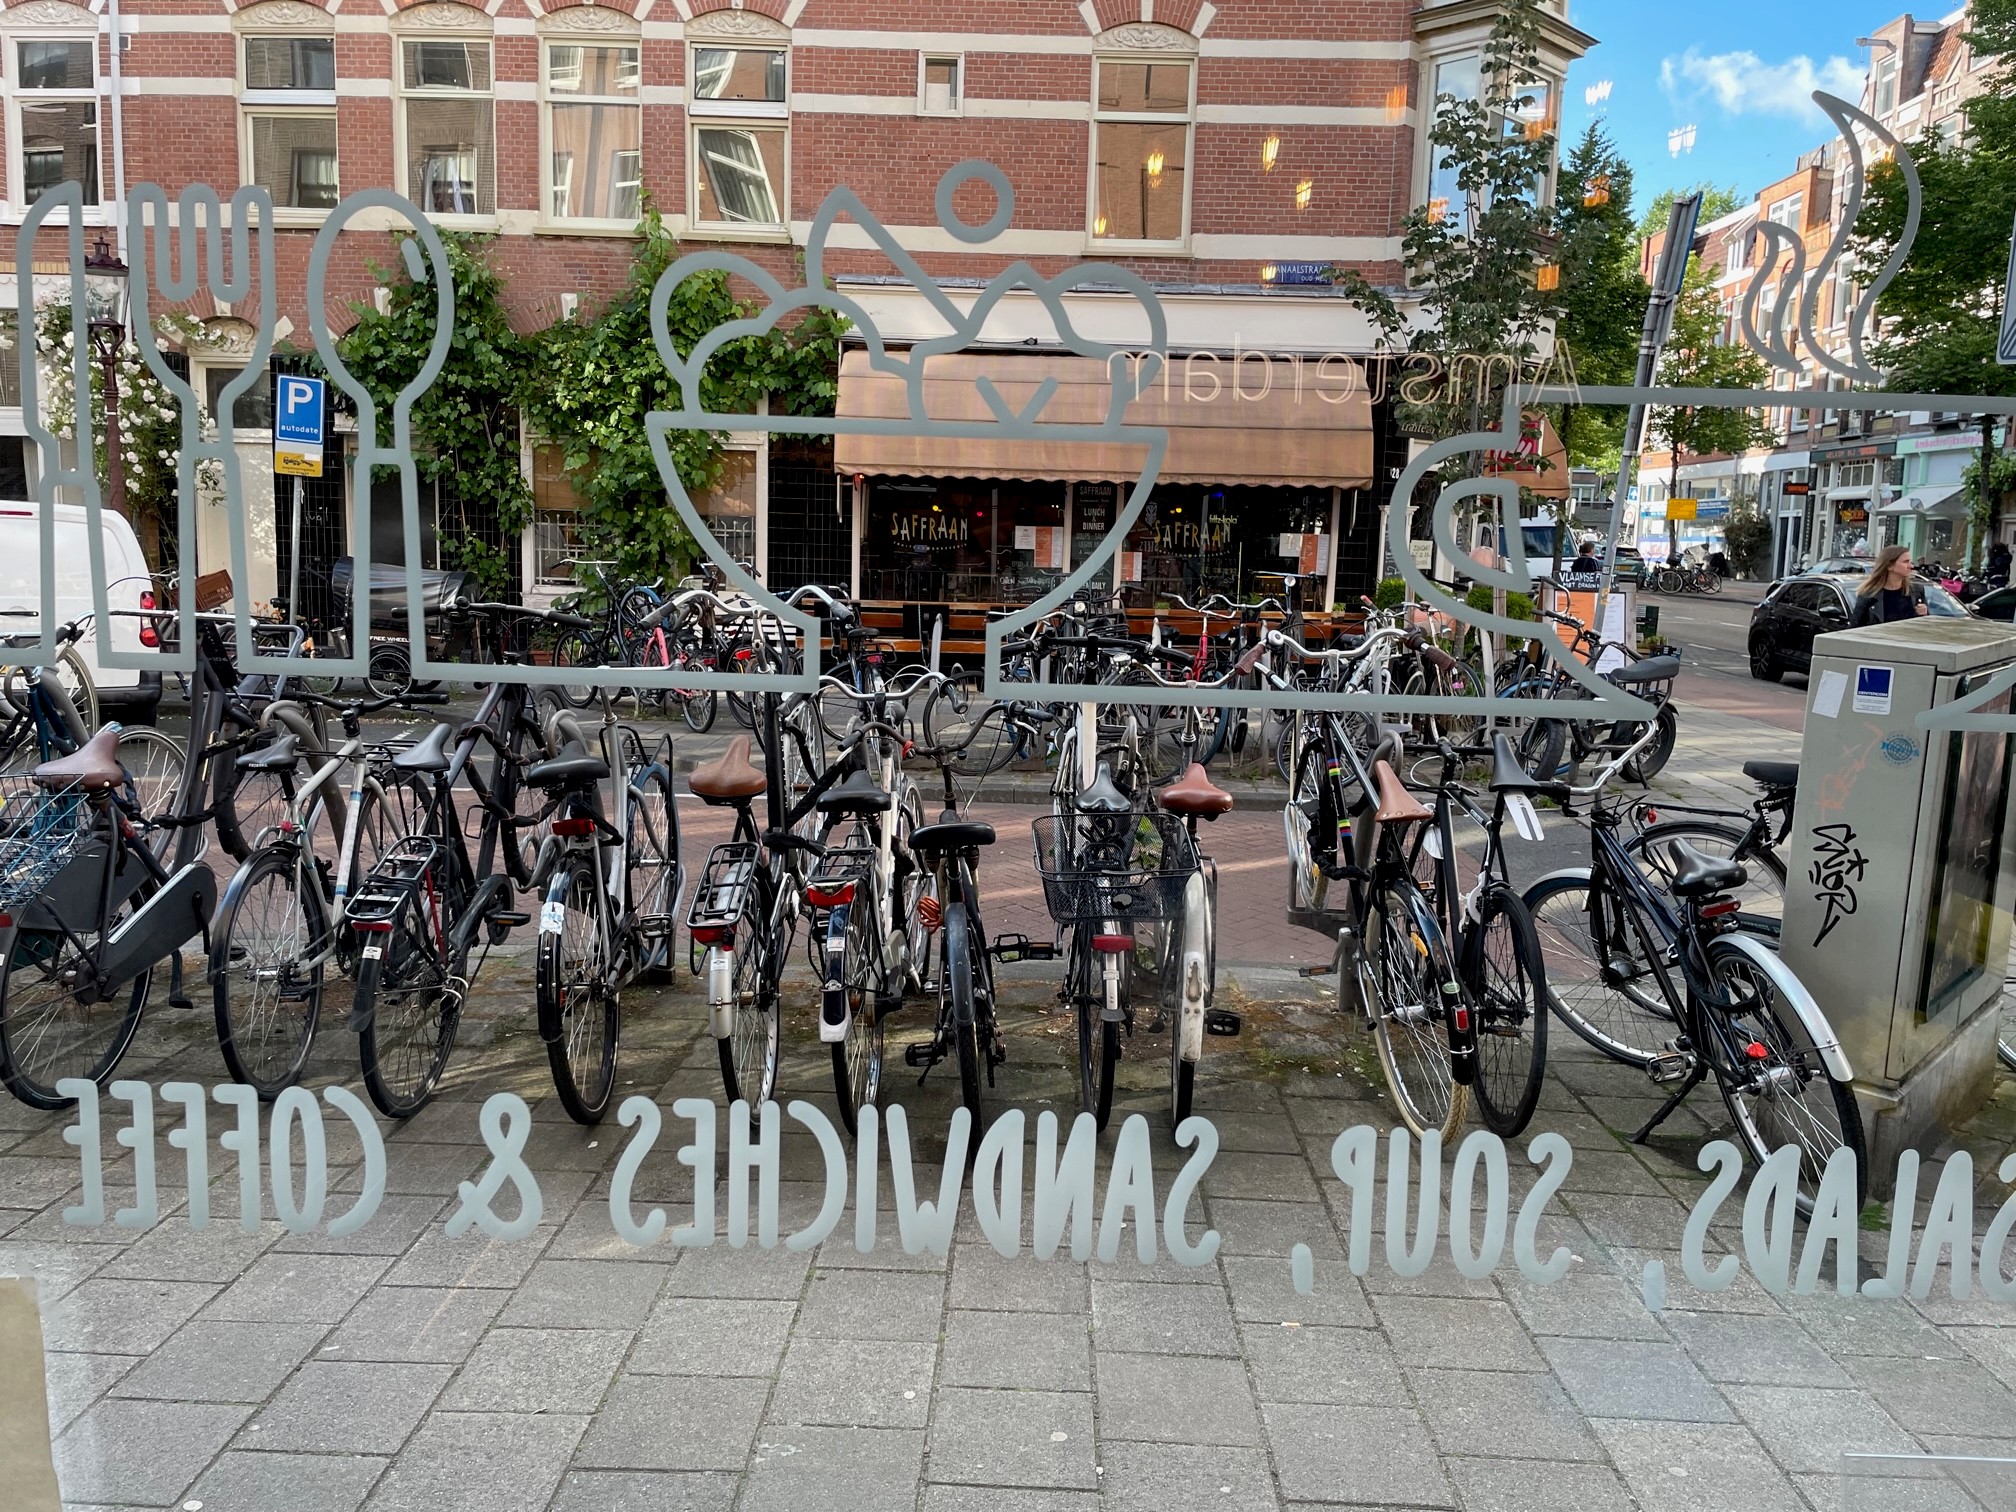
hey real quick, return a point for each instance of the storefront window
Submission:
(959, 540)
(729, 507)
(1195, 541)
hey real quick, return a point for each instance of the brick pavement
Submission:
(568, 1372)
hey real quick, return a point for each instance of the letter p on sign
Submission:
(297, 428)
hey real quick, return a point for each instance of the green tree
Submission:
(1697, 357)
(1602, 295)
(1716, 202)
(1472, 262)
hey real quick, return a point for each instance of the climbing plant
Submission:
(598, 378)
(465, 425)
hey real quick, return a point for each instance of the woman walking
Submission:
(1890, 592)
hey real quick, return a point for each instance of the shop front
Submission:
(1854, 482)
(1264, 470)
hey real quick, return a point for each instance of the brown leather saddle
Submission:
(93, 766)
(729, 778)
(1194, 793)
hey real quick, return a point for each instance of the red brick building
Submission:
(1222, 151)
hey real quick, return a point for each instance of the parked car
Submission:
(1999, 604)
(123, 693)
(1834, 566)
(1796, 609)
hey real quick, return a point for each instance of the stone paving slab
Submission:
(402, 1370)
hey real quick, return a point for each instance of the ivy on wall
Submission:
(586, 384)
(597, 379)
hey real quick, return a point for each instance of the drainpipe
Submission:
(118, 133)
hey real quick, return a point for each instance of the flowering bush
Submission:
(150, 416)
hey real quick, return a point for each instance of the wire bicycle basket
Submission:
(42, 830)
(1129, 868)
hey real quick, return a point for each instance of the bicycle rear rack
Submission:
(724, 886)
(381, 895)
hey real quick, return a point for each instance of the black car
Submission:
(1796, 609)
(1999, 604)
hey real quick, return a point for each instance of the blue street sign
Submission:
(1712, 509)
(297, 426)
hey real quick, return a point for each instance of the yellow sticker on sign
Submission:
(1681, 509)
(298, 464)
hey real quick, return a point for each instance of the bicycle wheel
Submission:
(1541, 748)
(698, 710)
(749, 1053)
(652, 853)
(1507, 987)
(245, 804)
(857, 1060)
(1649, 762)
(959, 1006)
(1760, 900)
(579, 648)
(580, 1014)
(1098, 1036)
(267, 997)
(1774, 1084)
(1412, 982)
(1606, 978)
(412, 990)
(49, 1031)
(154, 763)
(391, 671)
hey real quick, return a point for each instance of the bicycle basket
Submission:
(41, 832)
(1130, 869)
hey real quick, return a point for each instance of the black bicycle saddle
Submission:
(1101, 796)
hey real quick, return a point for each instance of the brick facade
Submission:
(1335, 81)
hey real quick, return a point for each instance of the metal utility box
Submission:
(1901, 874)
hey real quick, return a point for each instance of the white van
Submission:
(123, 694)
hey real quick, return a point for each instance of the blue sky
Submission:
(1741, 72)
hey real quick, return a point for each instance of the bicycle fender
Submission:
(720, 992)
(1195, 983)
(547, 970)
(1566, 874)
(834, 1019)
(1826, 1043)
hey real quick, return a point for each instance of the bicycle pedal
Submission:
(1669, 1068)
(921, 1057)
(510, 918)
(1222, 1022)
(1316, 971)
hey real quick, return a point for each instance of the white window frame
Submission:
(1425, 151)
(402, 96)
(1112, 244)
(549, 219)
(958, 62)
(1778, 214)
(758, 115)
(253, 104)
(17, 206)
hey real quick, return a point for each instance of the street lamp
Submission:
(105, 296)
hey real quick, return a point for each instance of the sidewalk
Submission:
(398, 1370)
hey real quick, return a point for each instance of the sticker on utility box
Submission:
(1872, 689)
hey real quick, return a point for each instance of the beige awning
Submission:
(1294, 424)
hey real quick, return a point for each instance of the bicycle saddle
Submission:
(856, 793)
(1507, 776)
(1697, 876)
(431, 755)
(575, 763)
(932, 840)
(1772, 774)
(1100, 796)
(729, 777)
(1195, 793)
(282, 755)
(93, 766)
(1396, 804)
(1651, 669)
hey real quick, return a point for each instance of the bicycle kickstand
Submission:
(1694, 1079)
(177, 998)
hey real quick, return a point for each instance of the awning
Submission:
(1296, 425)
(1943, 500)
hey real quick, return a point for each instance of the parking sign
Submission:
(297, 427)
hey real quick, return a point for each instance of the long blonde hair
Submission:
(1879, 575)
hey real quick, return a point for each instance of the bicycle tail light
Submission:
(1718, 908)
(714, 934)
(830, 894)
(149, 636)
(574, 828)
(1112, 944)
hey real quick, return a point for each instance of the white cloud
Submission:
(1742, 83)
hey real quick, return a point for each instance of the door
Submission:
(1793, 623)
(1830, 613)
